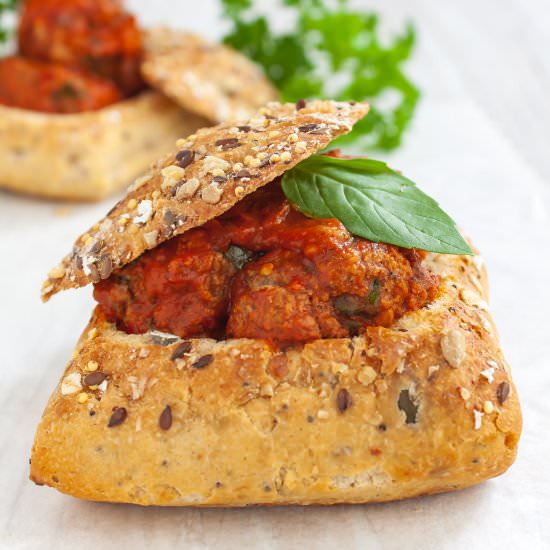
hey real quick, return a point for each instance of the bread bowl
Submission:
(56, 69)
(83, 152)
(422, 404)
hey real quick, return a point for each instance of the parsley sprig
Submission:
(6, 6)
(333, 52)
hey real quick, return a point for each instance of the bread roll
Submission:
(423, 406)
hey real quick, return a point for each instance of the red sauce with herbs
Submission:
(264, 270)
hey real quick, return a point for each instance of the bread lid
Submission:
(208, 79)
(212, 171)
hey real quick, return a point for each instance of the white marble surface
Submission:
(480, 145)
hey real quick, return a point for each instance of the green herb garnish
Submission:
(373, 202)
(6, 6)
(65, 91)
(332, 53)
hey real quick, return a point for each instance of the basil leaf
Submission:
(373, 202)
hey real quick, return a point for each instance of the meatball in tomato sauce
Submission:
(98, 36)
(52, 88)
(264, 270)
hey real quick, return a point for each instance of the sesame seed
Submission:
(478, 415)
(453, 347)
(92, 366)
(267, 390)
(274, 134)
(322, 414)
(151, 238)
(488, 407)
(57, 272)
(239, 191)
(124, 219)
(180, 143)
(211, 163)
(275, 158)
(171, 175)
(218, 172)
(255, 163)
(82, 397)
(132, 203)
(465, 394)
(71, 383)
(300, 147)
(366, 376)
(172, 171)
(237, 167)
(488, 374)
(286, 156)
(293, 138)
(261, 156)
(155, 194)
(248, 160)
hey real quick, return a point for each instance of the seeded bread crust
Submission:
(223, 164)
(210, 79)
(83, 152)
(422, 407)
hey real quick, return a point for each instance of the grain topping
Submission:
(183, 184)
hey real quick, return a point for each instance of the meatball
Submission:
(263, 270)
(94, 35)
(181, 287)
(52, 88)
(327, 291)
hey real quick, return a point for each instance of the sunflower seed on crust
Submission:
(453, 347)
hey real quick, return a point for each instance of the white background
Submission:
(480, 144)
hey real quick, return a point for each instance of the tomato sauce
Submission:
(264, 270)
(52, 88)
